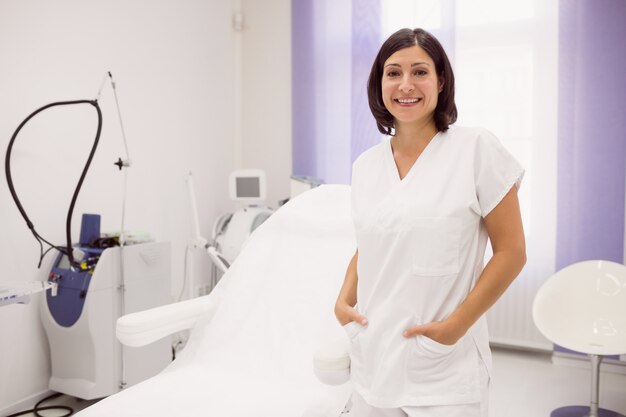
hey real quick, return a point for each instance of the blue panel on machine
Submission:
(73, 283)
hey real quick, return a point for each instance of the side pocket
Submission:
(439, 370)
(352, 329)
(357, 370)
(431, 347)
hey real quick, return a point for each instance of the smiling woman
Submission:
(415, 63)
(424, 203)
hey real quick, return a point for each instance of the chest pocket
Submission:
(434, 245)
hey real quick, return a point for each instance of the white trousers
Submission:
(359, 408)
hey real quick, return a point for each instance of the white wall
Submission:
(266, 104)
(172, 61)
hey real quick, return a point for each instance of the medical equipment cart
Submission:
(79, 318)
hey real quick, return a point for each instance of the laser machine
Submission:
(79, 316)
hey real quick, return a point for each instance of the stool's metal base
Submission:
(582, 411)
(594, 409)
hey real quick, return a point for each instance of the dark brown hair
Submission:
(445, 112)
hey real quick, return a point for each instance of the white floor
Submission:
(525, 384)
(528, 385)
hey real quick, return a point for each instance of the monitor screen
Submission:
(248, 187)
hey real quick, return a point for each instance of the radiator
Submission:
(510, 320)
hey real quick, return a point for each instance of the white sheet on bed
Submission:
(255, 356)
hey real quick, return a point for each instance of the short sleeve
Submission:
(495, 172)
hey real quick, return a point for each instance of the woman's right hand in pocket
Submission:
(345, 313)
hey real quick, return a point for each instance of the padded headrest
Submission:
(331, 362)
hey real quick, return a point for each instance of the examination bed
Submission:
(253, 339)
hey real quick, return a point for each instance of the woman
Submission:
(424, 203)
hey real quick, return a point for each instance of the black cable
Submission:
(37, 408)
(68, 225)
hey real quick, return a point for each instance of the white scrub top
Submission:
(421, 243)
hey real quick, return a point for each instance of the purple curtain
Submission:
(303, 82)
(592, 132)
(366, 40)
(331, 121)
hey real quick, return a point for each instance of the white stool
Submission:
(583, 308)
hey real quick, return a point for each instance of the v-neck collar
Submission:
(395, 174)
